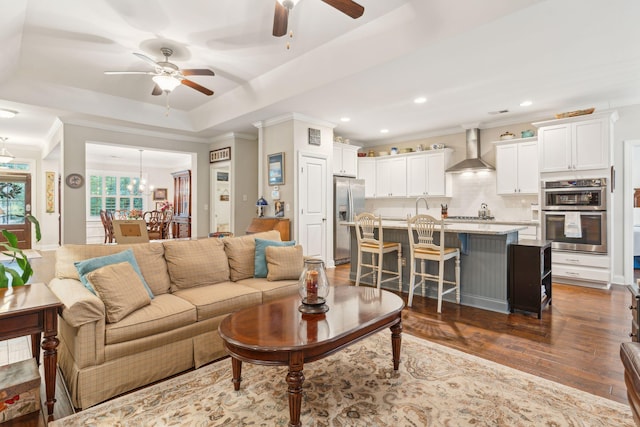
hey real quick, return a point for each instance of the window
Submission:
(108, 190)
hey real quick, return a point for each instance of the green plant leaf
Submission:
(35, 222)
(16, 279)
(4, 280)
(11, 238)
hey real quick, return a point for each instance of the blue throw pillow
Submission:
(88, 265)
(260, 264)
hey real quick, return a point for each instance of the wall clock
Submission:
(74, 180)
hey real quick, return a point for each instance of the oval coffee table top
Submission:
(279, 325)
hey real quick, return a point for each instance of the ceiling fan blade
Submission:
(197, 87)
(348, 7)
(146, 59)
(197, 72)
(156, 90)
(280, 18)
(130, 72)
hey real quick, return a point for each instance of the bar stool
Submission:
(366, 224)
(424, 249)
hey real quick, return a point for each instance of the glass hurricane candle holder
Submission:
(313, 287)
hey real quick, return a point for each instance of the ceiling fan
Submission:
(167, 76)
(283, 7)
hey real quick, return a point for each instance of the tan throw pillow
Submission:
(241, 253)
(120, 289)
(194, 263)
(284, 262)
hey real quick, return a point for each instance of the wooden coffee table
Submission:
(277, 333)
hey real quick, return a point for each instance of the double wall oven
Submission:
(574, 214)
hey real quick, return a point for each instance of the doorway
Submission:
(312, 198)
(631, 215)
(15, 204)
(221, 218)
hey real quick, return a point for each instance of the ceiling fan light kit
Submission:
(166, 83)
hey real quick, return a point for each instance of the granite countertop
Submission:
(477, 221)
(486, 227)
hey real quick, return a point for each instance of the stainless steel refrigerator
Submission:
(348, 196)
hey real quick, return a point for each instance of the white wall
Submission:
(73, 160)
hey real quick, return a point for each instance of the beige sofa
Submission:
(195, 283)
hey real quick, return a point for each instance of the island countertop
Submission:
(458, 227)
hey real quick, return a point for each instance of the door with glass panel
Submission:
(15, 205)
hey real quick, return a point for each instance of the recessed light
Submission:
(345, 119)
(525, 103)
(384, 130)
(420, 100)
(7, 114)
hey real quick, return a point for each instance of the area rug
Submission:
(435, 386)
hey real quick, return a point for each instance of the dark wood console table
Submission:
(33, 310)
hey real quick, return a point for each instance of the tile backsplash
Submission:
(469, 192)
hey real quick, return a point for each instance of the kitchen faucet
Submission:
(426, 205)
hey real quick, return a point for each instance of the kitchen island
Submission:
(483, 263)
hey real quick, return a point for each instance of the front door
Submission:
(312, 196)
(15, 204)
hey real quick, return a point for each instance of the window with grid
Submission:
(109, 191)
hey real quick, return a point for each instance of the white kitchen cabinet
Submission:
(367, 172)
(581, 269)
(345, 159)
(578, 143)
(391, 177)
(426, 173)
(517, 167)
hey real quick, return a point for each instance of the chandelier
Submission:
(140, 185)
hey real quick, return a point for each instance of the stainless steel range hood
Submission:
(473, 162)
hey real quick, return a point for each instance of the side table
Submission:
(32, 310)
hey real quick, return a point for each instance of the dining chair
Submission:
(166, 223)
(155, 224)
(366, 225)
(421, 229)
(109, 234)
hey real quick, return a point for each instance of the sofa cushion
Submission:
(194, 263)
(260, 259)
(272, 290)
(120, 288)
(150, 258)
(221, 298)
(284, 262)
(241, 253)
(165, 313)
(88, 265)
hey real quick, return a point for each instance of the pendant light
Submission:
(5, 155)
(139, 186)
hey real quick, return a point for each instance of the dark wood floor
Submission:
(576, 342)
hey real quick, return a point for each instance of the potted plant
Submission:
(10, 248)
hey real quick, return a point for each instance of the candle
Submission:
(312, 287)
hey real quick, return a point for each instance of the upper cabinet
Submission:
(367, 172)
(517, 167)
(345, 159)
(578, 143)
(426, 173)
(407, 175)
(391, 178)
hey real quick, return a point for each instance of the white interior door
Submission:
(221, 218)
(312, 213)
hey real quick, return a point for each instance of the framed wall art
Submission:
(276, 169)
(314, 136)
(220, 155)
(160, 194)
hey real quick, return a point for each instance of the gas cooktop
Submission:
(471, 218)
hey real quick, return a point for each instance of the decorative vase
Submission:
(313, 287)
